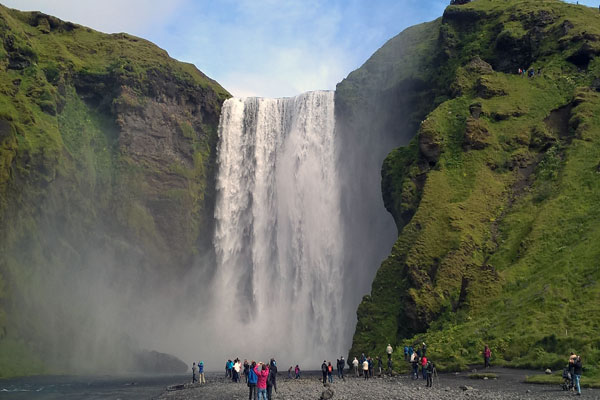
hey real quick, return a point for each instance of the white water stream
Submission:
(278, 288)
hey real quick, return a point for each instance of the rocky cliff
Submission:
(107, 159)
(495, 196)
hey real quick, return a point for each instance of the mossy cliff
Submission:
(107, 157)
(496, 196)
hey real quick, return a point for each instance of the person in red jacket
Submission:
(262, 371)
(487, 354)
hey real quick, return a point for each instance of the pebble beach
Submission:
(509, 384)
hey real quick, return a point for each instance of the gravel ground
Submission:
(508, 385)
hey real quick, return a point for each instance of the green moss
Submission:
(498, 246)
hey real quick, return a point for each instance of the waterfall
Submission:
(278, 285)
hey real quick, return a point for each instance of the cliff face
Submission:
(494, 196)
(107, 161)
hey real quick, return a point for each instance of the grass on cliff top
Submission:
(79, 49)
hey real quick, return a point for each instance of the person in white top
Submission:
(365, 367)
(355, 365)
(389, 351)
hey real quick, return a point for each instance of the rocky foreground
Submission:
(508, 385)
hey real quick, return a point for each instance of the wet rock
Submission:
(327, 393)
(479, 66)
(487, 88)
(475, 110)
(430, 143)
(477, 136)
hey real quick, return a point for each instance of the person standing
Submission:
(272, 379)
(390, 367)
(324, 371)
(430, 370)
(201, 379)
(365, 369)
(578, 368)
(414, 361)
(572, 359)
(262, 371)
(389, 350)
(487, 354)
(424, 351)
(329, 372)
(424, 367)
(194, 370)
(246, 370)
(252, 381)
(355, 365)
(379, 366)
(297, 371)
(405, 353)
(290, 372)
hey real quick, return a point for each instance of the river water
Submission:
(87, 387)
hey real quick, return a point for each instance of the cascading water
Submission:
(278, 288)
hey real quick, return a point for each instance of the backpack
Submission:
(324, 367)
(329, 368)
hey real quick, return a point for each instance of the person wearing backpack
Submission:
(329, 372)
(424, 367)
(252, 380)
(430, 370)
(324, 371)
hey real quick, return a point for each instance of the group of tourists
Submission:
(198, 373)
(575, 368)
(530, 73)
(296, 372)
(327, 370)
(260, 377)
(418, 358)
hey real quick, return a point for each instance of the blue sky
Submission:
(270, 48)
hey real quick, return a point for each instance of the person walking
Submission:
(290, 372)
(324, 371)
(272, 379)
(262, 371)
(487, 354)
(201, 379)
(578, 368)
(194, 370)
(252, 381)
(297, 371)
(389, 350)
(355, 365)
(365, 369)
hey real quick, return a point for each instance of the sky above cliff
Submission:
(270, 48)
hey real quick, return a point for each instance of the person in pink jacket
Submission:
(262, 371)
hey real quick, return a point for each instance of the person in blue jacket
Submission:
(252, 381)
(201, 379)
